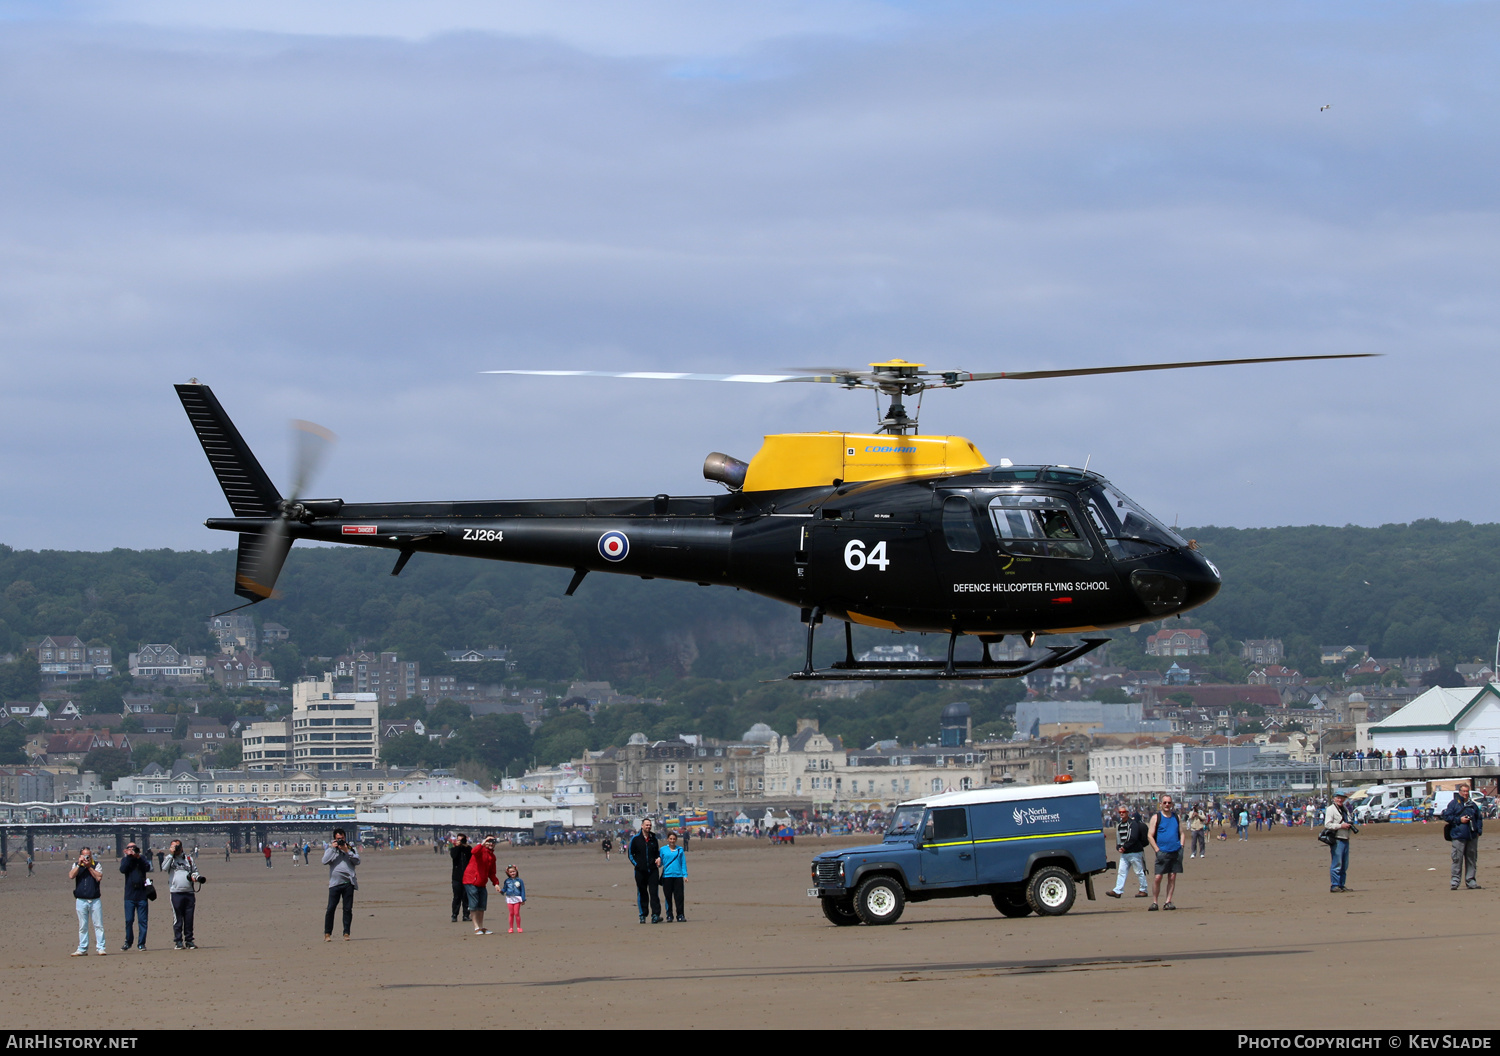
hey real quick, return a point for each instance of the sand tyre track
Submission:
(879, 900)
(840, 911)
(1012, 903)
(1050, 891)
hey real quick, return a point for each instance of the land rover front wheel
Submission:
(840, 911)
(1051, 892)
(1012, 904)
(879, 900)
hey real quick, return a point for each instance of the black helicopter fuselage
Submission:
(1007, 550)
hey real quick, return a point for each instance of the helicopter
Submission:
(890, 529)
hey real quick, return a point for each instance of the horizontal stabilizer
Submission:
(246, 486)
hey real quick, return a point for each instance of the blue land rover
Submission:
(1023, 846)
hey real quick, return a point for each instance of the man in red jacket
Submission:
(481, 870)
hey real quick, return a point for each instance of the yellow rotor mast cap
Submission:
(898, 366)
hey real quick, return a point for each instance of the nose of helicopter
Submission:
(1202, 583)
(1175, 582)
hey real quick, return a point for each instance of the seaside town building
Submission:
(333, 731)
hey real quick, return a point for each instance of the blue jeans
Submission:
(90, 907)
(136, 910)
(1338, 869)
(1137, 859)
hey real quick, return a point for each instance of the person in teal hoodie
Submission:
(673, 876)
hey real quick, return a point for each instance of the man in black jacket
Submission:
(134, 867)
(645, 854)
(1130, 843)
(460, 852)
(1464, 826)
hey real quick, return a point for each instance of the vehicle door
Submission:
(947, 854)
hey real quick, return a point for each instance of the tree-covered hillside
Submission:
(1423, 588)
(1430, 587)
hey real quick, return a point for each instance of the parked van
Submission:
(1026, 847)
(1444, 796)
(1374, 803)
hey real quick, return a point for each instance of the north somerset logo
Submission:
(1034, 816)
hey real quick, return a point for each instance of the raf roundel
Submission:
(613, 546)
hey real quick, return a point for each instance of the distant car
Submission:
(522, 839)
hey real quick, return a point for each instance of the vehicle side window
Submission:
(959, 529)
(950, 823)
(1038, 526)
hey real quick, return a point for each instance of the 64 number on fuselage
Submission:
(856, 558)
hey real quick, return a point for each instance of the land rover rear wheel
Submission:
(1012, 903)
(1050, 891)
(840, 911)
(879, 900)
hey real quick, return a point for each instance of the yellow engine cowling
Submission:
(807, 460)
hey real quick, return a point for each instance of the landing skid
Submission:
(851, 670)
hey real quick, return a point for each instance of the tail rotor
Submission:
(262, 555)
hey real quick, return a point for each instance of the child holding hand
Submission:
(514, 890)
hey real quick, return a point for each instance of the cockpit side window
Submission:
(959, 529)
(1036, 525)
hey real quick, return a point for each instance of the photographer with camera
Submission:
(1339, 825)
(86, 876)
(182, 873)
(342, 859)
(134, 867)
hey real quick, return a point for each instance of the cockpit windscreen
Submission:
(1127, 529)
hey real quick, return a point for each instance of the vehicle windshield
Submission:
(1127, 529)
(907, 822)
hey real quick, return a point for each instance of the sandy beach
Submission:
(1258, 941)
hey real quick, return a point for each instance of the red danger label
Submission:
(360, 529)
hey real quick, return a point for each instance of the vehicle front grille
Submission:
(829, 872)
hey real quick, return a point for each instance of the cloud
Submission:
(344, 215)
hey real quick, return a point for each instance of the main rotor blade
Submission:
(1030, 375)
(657, 375)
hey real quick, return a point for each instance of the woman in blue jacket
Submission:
(673, 862)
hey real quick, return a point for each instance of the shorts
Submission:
(1168, 862)
(479, 897)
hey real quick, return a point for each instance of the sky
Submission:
(344, 212)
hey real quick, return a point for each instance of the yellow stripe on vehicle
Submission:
(1008, 839)
(1043, 836)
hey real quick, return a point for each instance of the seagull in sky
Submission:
(1325, 106)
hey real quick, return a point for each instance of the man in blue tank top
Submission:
(1165, 834)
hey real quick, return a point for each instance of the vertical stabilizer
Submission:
(246, 486)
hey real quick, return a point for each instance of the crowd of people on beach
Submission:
(660, 862)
